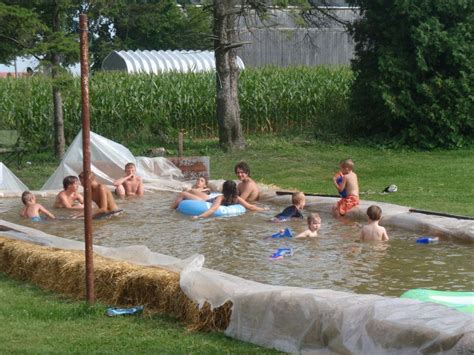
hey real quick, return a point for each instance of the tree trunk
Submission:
(59, 140)
(227, 75)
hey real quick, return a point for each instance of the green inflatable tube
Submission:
(462, 301)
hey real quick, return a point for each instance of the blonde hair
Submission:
(374, 212)
(313, 217)
(348, 163)
(297, 198)
(27, 196)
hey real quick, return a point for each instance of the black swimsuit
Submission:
(289, 212)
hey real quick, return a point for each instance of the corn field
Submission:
(153, 108)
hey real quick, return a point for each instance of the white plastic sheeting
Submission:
(9, 183)
(156, 62)
(108, 160)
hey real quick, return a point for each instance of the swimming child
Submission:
(347, 184)
(372, 231)
(69, 197)
(314, 223)
(298, 201)
(247, 187)
(229, 197)
(32, 209)
(199, 191)
(102, 197)
(130, 184)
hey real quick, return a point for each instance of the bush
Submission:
(414, 71)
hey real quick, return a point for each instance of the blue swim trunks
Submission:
(36, 219)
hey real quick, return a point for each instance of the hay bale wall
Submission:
(116, 283)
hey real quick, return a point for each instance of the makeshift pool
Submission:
(240, 246)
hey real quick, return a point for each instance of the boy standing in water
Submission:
(372, 231)
(102, 197)
(32, 209)
(347, 185)
(130, 184)
(247, 188)
(69, 197)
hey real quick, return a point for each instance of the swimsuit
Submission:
(289, 212)
(107, 215)
(36, 219)
(346, 203)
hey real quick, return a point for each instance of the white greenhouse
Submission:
(156, 62)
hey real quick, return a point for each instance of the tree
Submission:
(48, 37)
(414, 70)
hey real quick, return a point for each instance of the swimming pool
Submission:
(240, 246)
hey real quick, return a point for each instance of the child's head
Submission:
(201, 182)
(347, 165)
(374, 212)
(70, 180)
(229, 190)
(298, 199)
(82, 176)
(242, 168)
(27, 197)
(314, 221)
(130, 168)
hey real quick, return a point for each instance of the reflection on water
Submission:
(240, 246)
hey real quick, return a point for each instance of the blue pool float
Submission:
(427, 240)
(280, 253)
(197, 207)
(342, 193)
(283, 233)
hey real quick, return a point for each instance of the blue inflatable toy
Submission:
(283, 233)
(342, 193)
(196, 207)
(427, 240)
(280, 253)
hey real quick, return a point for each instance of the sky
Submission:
(24, 62)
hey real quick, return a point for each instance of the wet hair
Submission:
(348, 163)
(229, 190)
(374, 212)
(313, 217)
(26, 196)
(297, 198)
(130, 164)
(83, 174)
(242, 166)
(69, 180)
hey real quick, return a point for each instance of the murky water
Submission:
(240, 246)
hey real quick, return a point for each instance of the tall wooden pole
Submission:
(86, 162)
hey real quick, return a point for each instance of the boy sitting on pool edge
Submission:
(347, 185)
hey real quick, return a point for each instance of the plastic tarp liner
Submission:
(108, 160)
(9, 183)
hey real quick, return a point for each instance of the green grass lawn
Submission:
(436, 180)
(39, 322)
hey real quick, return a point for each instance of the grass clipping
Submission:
(116, 283)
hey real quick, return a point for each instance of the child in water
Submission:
(229, 197)
(298, 201)
(32, 209)
(372, 231)
(314, 223)
(199, 191)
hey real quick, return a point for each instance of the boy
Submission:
(130, 184)
(314, 223)
(372, 231)
(247, 188)
(69, 197)
(32, 209)
(102, 197)
(348, 186)
(294, 211)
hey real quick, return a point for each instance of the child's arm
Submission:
(120, 181)
(46, 212)
(342, 185)
(215, 205)
(384, 235)
(362, 235)
(23, 212)
(249, 206)
(140, 189)
(304, 234)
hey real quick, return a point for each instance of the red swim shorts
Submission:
(345, 204)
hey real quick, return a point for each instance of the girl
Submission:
(229, 197)
(199, 191)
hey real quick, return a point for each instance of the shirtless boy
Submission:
(314, 223)
(247, 188)
(69, 197)
(348, 186)
(130, 184)
(372, 231)
(32, 209)
(102, 197)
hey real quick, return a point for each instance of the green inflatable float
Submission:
(462, 301)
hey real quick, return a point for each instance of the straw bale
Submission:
(116, 283)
